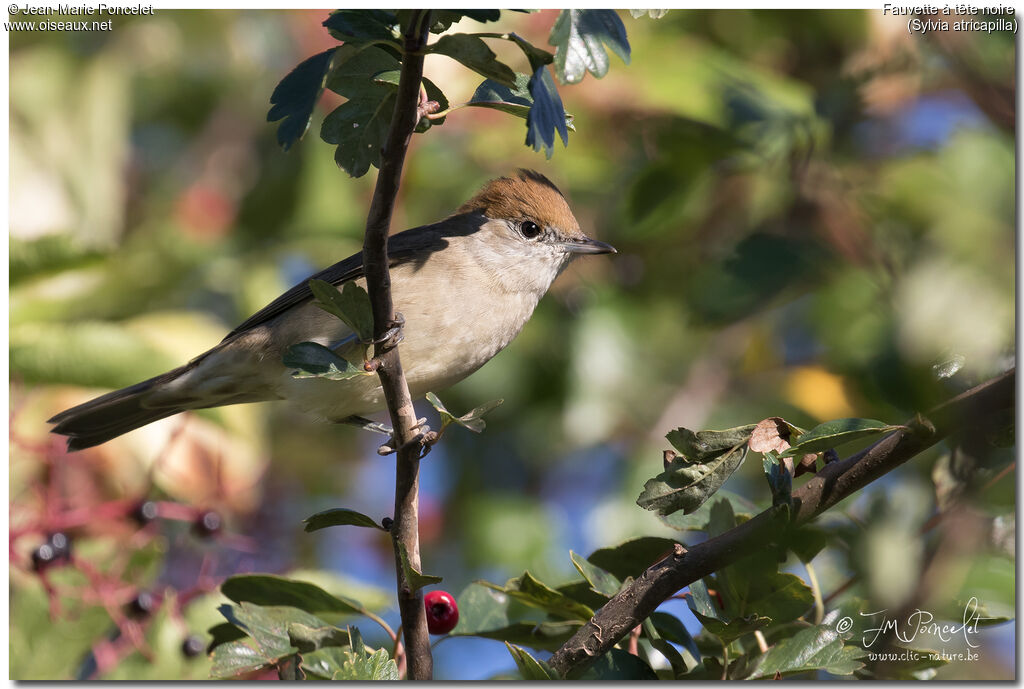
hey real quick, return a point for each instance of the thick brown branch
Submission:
(405, 529)
(836, 481)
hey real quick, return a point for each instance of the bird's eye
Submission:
(530, 229)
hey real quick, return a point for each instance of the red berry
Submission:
(442, 612)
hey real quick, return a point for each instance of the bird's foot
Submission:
(393, 335)
(424, 438)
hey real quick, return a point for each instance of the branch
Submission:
(405, 529)
(835, 481)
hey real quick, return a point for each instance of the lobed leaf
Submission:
(296, 95)
(814, 648)
(704, 445)
(472, 52)
(686, 486)
(698, 519)
(351, 304)
(361, 26)
(580, 37)
(236, 658)
(547, 114)
(313, 360)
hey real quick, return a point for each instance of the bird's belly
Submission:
(440, 348)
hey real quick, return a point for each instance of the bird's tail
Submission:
(113, 414)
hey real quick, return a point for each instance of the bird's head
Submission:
(530, 220)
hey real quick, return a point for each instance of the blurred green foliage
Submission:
(812, 210)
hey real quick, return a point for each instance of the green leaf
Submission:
(355, 640)
(316, 361)
(340, 517)
(538, 57)
(351, 304)
(672, 629)
(529, 667)
(360, 126)
(472, 52)
(514, 101)
(308, 638)
(413, 576)
(267, 626)
(484, 612)
(814, 648)
(539, 595)
(665, 648)
(686, 485)
(617, 664)
(579, 37)
(222, 633)
(698, 519)
(706, 445)
(714, 621)
(342, 663)
(236, 658)
(600, 580)
(630, 558)
(296, 95)
(806, 542)
(361, 26)
(269, 589)
(547, 114)
(473, 420)
(838, 432)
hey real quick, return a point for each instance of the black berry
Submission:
(142, 605)
(192, 646)
(145, 512)
(207, 524)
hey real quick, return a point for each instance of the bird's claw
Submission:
(393, 335)
(425, 438)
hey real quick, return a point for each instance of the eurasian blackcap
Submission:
(465, 286)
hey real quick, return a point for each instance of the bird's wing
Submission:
(413, 245)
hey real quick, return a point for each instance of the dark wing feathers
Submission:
(412, 245)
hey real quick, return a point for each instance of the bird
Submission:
(465, 286)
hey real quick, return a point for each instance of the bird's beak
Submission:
(586, 245)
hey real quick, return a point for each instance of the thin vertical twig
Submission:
(405, 529)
